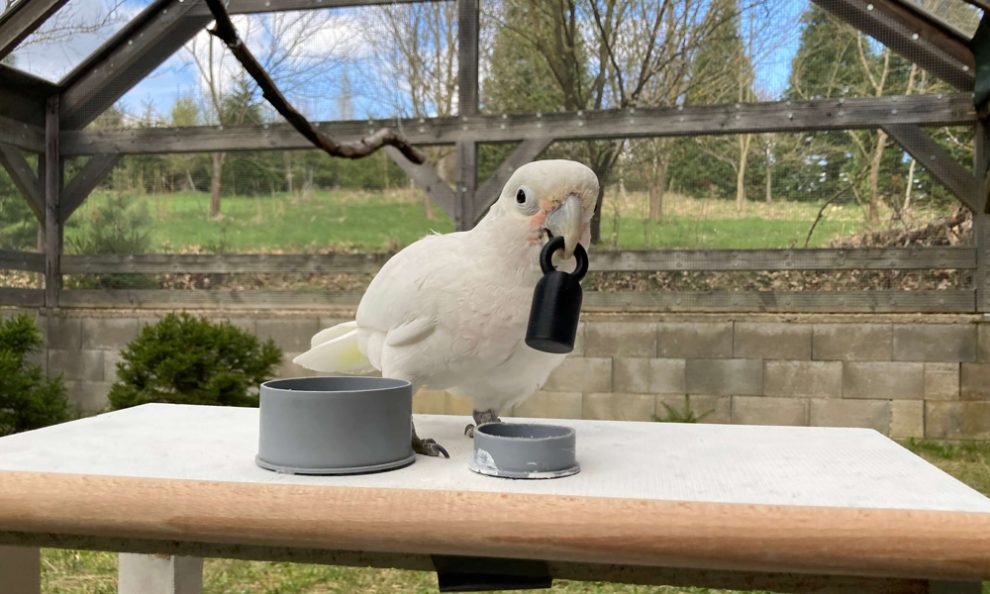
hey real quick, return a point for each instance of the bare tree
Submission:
(289, 48)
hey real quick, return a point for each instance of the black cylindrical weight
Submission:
(556, 309)
(553, 319)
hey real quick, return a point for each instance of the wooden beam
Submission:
(823, 114)
(52, 186)
(981, 218)
(911, 258)
(260, 6)
(126, 58)
(960, 180)
(426, 178)
(22, 135)
(489, 191)
(939, 49)
(939, 301)
(17, 297)
(466, 214)
(23, 96)
(16, 260)
(22, 19)
(85, 181)
(24, 178)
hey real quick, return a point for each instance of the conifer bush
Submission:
(183, 359)
(28, 400)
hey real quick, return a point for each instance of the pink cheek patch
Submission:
(537, 219)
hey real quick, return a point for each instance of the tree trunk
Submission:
(873, 213)
(596, 219)
(910, 184)
(768, 191)
(658, 185)
(744, 142)
(288, 172)
(217, 159)
(428, 207)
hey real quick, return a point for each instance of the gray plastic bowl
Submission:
(335, 425)
(524, 451)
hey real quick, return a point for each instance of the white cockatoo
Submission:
(450, 312)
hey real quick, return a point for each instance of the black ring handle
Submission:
(557, 243)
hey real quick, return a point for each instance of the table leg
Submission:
(20, 569)
(953, 587)
(159, 574)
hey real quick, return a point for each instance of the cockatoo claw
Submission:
(481, 417)
(429, 447)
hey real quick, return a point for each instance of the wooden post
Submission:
(52, 188)
(467, 89)
(159, 574)
(20, 569)
(981, 220)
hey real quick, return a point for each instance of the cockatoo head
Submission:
(554, 198)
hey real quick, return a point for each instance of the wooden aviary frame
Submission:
(49, 120)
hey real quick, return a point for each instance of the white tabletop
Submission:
(803, 466)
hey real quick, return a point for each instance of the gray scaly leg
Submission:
(481, 417)
(428, 446)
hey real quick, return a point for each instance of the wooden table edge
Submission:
(889, 543)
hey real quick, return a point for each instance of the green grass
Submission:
(83, 572)
(349, 219)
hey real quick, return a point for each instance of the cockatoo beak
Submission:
(565, 221)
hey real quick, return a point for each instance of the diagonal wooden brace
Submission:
(24, 178)
(960, 181)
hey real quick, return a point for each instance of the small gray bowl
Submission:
(335, 425)
(524, 451)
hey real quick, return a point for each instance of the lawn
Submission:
(350, 219)
(80, 572)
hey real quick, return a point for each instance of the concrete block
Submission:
(620, 339)
(85, 365)
(619, 406)
(983, 342)
(88, 398)
(248, 325)
(941, 381)
(290, 334)
(957, 420)
(724, 376)
(877, 380)
(64, 332)
(581, 374)
(767, 410)
(39, 358)
(648, 376)
(110, 361)
(551, 405)
(429, 402)
(108, 333)
(852, 342)
(289, 369)
(907, 419)
(803, 379)
(694, 340)
(579, 340)
(935, 342)
(456, 404)
(706, 408)
(771, 341)
(872, 414)
(974, 381)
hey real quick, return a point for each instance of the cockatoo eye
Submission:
(525, 201)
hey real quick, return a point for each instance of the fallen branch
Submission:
(224, 30)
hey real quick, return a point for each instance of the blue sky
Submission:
(179, 77)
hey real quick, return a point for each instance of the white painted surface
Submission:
(159, 574)
(812, 466)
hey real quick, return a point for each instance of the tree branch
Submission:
(224, 30)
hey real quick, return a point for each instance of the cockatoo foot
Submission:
(481, 417)
(429, 447)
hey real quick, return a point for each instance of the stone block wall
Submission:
(904, 375)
